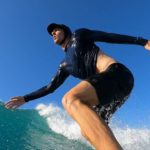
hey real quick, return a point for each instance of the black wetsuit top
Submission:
(81, 56)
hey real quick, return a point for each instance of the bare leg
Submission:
(94, 128)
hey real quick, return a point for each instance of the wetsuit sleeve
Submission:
(58, 79)
(115, 38)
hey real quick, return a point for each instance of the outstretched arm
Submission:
(54, 84)
(116, 38)
(59, 78)
(100, 36)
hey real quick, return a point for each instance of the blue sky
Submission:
(29, 58)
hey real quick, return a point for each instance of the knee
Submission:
(70, 102)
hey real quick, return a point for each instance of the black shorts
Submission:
(113, 87)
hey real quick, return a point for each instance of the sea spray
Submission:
(60, 122)
(135, 139)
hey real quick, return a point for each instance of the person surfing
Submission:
(105, 83)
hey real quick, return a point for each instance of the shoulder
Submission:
(81, 31)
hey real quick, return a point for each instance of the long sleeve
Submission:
(93, 35)
(58, 79)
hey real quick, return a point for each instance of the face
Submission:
(58, 35)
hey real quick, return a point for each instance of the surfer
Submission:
(106, 84)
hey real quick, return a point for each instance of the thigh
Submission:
(85, 92)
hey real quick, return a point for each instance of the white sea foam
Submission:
(60, 122)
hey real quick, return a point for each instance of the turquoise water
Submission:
(27, 130)
(48, 127)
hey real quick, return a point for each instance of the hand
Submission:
(147, 46)
(15, 102)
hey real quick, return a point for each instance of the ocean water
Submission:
(50, 128)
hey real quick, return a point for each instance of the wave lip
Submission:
(59, 121)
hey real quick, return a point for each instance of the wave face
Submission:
(50, 128)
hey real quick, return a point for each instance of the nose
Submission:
(53, 32)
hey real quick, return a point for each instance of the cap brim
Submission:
(51, 27)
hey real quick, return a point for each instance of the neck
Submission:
(65, 43)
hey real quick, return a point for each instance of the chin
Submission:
(57, 42)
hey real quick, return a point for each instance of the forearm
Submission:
(125, 39)
(117, 38)
(58, 79)
(38, 93)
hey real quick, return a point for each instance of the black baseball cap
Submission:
(52, 26)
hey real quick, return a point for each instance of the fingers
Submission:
(147, 46)
(12, 104)
(15, 102)
(9, 104)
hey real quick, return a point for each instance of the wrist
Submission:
(26, 98)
